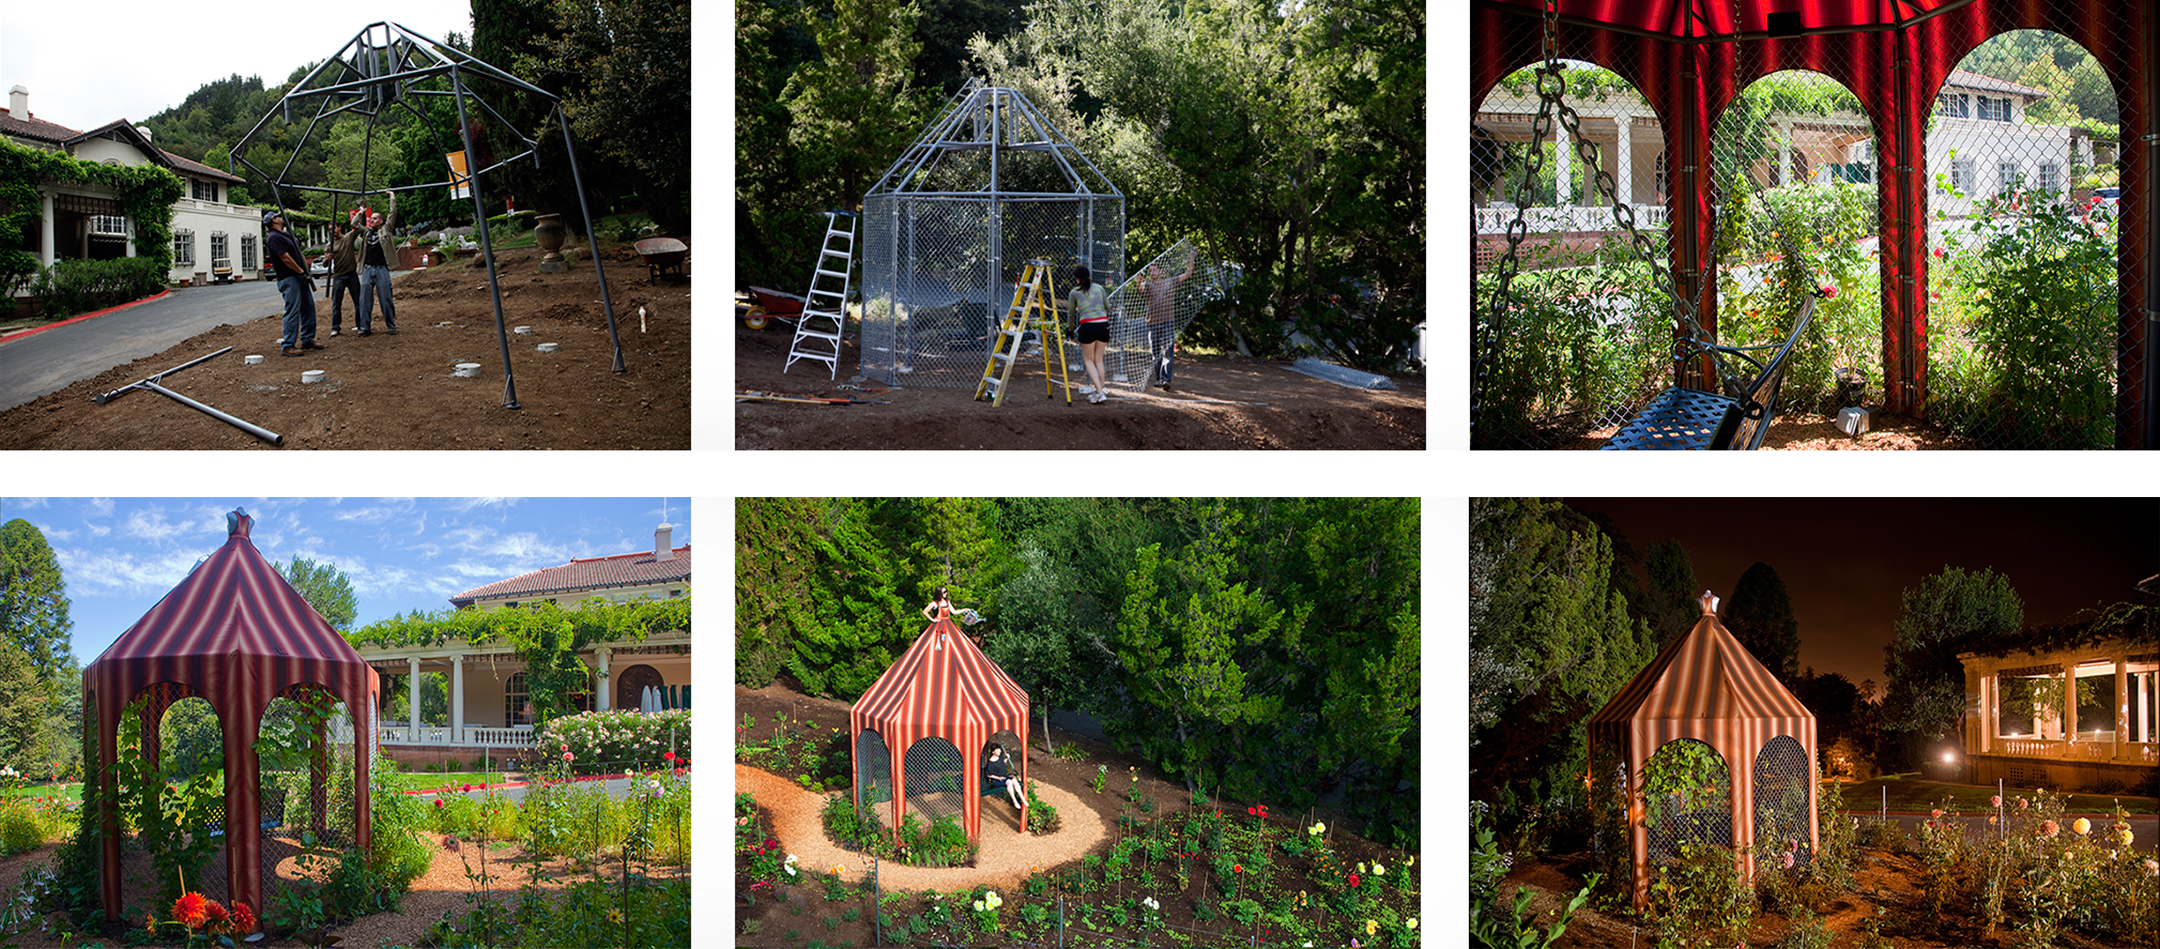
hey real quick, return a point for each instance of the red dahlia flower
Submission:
(191, 909)
(1353, 881)
(243, 919)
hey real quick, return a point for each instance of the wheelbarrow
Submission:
(771, 305)
(662, 255)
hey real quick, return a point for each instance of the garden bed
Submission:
(1101, 905)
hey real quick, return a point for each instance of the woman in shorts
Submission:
(1089, 306)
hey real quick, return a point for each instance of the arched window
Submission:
(630, 685)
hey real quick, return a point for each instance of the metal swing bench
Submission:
(1682, 419)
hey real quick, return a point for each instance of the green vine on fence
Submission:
(548, 636)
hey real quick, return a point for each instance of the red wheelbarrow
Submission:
(662, 254)
(770, 305)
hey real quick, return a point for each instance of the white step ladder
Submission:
(824, 314)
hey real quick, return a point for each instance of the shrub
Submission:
(72, 287)
(1881, 834)
(1699, 899)
(605, 742)
(1042, 818)
(566, 819)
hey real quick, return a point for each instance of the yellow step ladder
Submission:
(1034, 307)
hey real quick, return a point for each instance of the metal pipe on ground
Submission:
(151, 383)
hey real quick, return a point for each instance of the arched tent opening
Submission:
(943, 687)
(172, 748)
(1687, 799)
(235, 633)
(992, 794)
(1796, 205)
(1783, 780)
(1678, 727)
(2024, 216)
(1691, 58)
(305, 764)
(873, 779)
(1588, 340)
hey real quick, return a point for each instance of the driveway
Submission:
(43, 362)
(618, 788)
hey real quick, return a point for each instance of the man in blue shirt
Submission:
(289, 268)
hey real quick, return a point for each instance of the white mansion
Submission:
(82, 221)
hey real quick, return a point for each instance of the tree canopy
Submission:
(1949, 612)
(1255, 648)
(325, 587)
(1760, 616)
(33, 600)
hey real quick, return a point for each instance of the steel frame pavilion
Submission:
(370, 75)
(1691, 58)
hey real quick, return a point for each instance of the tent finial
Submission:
(237, 522)
(1709, 603)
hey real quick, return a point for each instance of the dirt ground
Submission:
(1804, 431)
(1300, 412)
(443, 889)
(388, 392)
(1880, 879)
(801, 909)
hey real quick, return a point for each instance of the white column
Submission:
(1789, 153)
(1624, 177)
(1563, 167)
(601, 692)
(2069, 701)
(2122, 707)
(45, 228)
(412, 698)
(2144, 718)
(1988, 695)
(457, 699)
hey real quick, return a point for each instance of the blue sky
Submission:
(119, 556)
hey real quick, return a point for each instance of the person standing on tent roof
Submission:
(997, 773)
(939, 608)
(374, 239)
(1160, 293)
(1088, 306)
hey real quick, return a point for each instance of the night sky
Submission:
(1846, 562)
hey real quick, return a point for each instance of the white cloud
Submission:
(462, 505)
(109, 573)
(55, 534)
(100, 507)
(150, 524)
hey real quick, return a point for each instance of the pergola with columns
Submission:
(2054, 746)
(483, 679)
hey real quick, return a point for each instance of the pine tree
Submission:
(1672, 589)
(33, 601)
(1760, 616)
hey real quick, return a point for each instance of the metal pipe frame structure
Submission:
(152, 383)
(375, 73)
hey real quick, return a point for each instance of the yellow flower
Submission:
(2082, 826)
(1413, 859)
(1371, 927)
(1410, 924)
(1379, 869)
(614, 915)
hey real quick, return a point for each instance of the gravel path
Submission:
(1006, 859)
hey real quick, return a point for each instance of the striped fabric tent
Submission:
(237, 635)
(1704, 686)
(942, 687)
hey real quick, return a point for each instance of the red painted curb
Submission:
(455, 788)
(111, 309)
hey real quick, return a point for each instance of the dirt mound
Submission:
(1220, 402)
(399, 392)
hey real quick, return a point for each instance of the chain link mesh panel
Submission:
(1585, 336)
(873, 778)
(1687, 798)
(1149, 311)
(935, 783)
(2024, 219)
(1794, 189)
(990, 186)
(1611, 852)
(1781, 803)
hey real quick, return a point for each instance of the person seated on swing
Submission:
(997, 773)
(939, 608)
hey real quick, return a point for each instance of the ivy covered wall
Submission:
(146, 194)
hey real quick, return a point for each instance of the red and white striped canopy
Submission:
(1706, 686)
(236, 634)
(943, 687)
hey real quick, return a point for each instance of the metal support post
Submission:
(487, 246)
(592, 240)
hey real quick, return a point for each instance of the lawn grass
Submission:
(1908, 792)
(64, 792)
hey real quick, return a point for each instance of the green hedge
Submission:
(72, 287)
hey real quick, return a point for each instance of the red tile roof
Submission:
(30, 126)
(590, 575)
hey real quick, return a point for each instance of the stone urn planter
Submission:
(550, 231)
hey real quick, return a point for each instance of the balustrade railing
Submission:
(2085, 748)
(1545, 220)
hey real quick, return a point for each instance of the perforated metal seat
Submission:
(1680, 420)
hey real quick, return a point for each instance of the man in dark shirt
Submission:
(373, 241)
(289, 269)
(344, 274)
